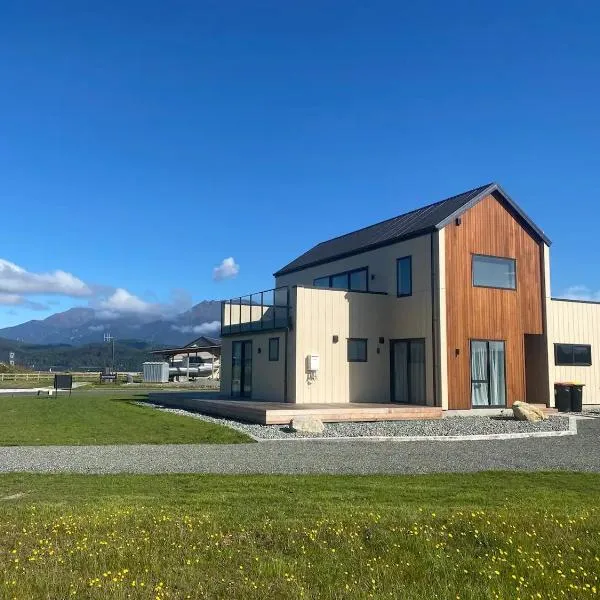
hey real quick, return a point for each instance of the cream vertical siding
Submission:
(576, 323)
(548, 327)
(322, 314)
(382, 267)
(440, 319)
(225, 378)
(267, 376)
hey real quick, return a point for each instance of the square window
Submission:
(340, 281)
(357, 350)
(358, 280)
(274, 349)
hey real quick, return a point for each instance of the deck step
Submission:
(280, 413)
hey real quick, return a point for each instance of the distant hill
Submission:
(129, 355)
(81, 326)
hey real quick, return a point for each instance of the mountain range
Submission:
(80, 326)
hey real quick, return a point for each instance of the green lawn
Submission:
(489, 535)
(88, 418)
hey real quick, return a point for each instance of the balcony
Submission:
(261, 311)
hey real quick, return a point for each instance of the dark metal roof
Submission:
(412, 224)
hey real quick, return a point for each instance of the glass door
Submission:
(488, 373)
(408, 371)
(241, 369)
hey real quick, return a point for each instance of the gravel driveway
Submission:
(578, 452)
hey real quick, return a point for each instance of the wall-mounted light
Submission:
(259, 350)
(456, 351)
(372, 276)
(458, 221)
(378, 351)
(381, 340)
(335, 339)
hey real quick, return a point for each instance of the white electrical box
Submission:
(312, 363)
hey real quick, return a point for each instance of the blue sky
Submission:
(142, 143)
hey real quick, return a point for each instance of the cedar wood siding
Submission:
(485, 313)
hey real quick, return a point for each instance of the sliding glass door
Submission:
(408, 371)
(488, 373)
(241, 369)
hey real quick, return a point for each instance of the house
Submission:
(448, 306)
(200, 358)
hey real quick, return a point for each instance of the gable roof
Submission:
(409, 225)
(204, 342)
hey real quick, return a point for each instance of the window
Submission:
(356, 281)
(404, 276)
(494, 272)
(357, 350)
(340, 281)
(578, 355)
(274, 348)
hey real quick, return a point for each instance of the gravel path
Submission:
(578, 452)
(451, 426)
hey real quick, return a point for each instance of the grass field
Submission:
(102, 418)
(478, 536)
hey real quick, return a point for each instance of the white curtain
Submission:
(479, 393)
(497, 383)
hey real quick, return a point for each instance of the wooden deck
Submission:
(279, 413)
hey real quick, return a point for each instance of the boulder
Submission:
(307, 424)
(527, 412)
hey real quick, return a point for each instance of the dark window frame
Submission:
(347, 274)
(488, 370)
(493, 287)
(365, 340)
(271, 359)
(410, 270)
(572, 364)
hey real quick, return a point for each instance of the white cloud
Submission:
(121, 301)
(228, 269)
(17, 300)
(96, 327)
(16, 280)
(18, 287)
(10, 299)
(208, 328)
(580, 292)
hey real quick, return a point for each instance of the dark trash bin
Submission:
(576, 397)
(562, 397)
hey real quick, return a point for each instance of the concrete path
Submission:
(578, 453)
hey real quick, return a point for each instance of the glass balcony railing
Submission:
(261, 311)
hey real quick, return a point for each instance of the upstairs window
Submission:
(494, 272)
(355, 281)
(577, 355)
(404, 276)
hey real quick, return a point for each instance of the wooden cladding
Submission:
(490, 228)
